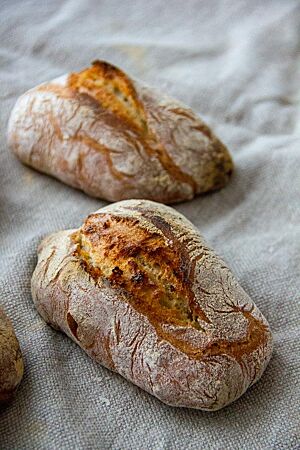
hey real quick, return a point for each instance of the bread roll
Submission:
(139, 290)
(11, 362)
(115, 138)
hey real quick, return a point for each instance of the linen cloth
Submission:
(237, 64)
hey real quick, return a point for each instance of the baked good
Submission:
(139, 290)
(115, 138)
(11, 362)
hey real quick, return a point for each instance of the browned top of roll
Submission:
(155, 274)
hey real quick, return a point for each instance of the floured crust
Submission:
(11, 362)
(115, 138)
(138, 289)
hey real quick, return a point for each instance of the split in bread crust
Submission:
(111, 88)
(115, 138)
(139, 290)
(156, 278)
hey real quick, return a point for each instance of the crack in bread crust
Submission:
(143, 264)
(156, 274)
(113, 90)
(124, 287)
(115, 138)
(148, 140)
(257, 331)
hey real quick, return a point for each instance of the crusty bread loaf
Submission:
(115, 138)
(138, 289)
(11, 362)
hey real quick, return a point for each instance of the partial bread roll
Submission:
(139, 290)
(11, 362)
(114, 138)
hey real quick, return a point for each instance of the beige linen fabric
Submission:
(237, 64)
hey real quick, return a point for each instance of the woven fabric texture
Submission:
(237, 63)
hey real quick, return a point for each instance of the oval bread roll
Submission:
(11, 362)
(115, 138)
(139, 290)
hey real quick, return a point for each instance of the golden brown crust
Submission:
(138, 289)
(154, 274)
(114, 138)
(139, 262)
(113, 90)
(11, 362)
